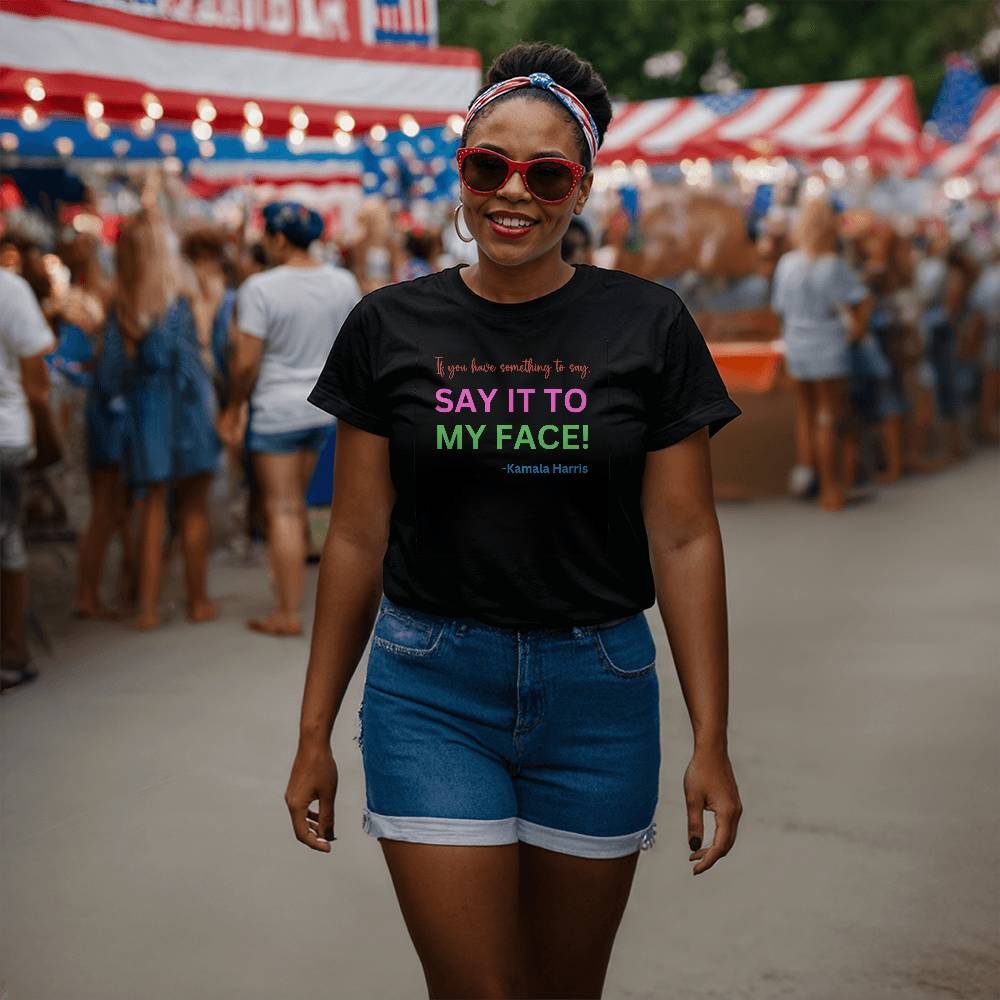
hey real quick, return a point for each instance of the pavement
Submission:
(145, 849)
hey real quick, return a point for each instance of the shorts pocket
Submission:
(627, 649)
(406, 635)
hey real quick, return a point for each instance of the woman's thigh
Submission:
(460, 907)
(279, 479)
(570, 911)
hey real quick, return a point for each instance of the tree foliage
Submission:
(804, 41)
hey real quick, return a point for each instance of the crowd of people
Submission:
(189, 363)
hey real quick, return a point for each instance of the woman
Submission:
(824, 308)
(287, 319)
(517, 437)
(170, 407)
(81, 363)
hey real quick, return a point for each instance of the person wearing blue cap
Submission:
(286, 318)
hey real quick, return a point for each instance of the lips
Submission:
(511, 224)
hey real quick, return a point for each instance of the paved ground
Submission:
(146, 851)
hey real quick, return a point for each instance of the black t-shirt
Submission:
(518, 435)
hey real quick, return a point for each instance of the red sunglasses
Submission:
(550, 179)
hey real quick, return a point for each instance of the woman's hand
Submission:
(232, 425)
(314, 776)
(709, 784)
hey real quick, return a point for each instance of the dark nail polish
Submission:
(694, 843)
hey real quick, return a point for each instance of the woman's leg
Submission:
(891, 429)
(989, 405)
(460, 907)
(152, 528)
(307, 464)
(279, 477)
(805, 398)
(192, 498)
(831, 404)
(570, 910)
(105, 512)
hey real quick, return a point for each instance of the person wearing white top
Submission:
(287, 319)
(25, 340)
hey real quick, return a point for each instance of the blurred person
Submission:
(287, 319)
(419, 247)
(213, 300)
(824, 308)
(939, 285)
(170, 405)
(80, 314)
(475, 572)
(576, 244)
(25, 340)
(984, 303)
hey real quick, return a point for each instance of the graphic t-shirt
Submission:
(518, 434)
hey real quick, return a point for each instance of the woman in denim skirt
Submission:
(522, 469)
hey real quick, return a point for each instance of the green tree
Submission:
(803, 41)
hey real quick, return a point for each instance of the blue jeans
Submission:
(287, 442)
(478, 735)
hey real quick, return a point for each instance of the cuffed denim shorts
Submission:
(472, 734)
(288, 442)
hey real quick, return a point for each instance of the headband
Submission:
(544, 82)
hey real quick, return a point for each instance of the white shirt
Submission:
(23, 334)
(297, 312)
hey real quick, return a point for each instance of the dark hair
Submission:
(567, 69)
(205, 242)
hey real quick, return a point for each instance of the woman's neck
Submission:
(520, 283)
(301, 258)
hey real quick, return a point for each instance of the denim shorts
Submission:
(287, 442)
(473, 734)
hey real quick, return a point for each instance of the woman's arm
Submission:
(686, 553)
(347, 601)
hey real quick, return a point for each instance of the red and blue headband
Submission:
(544, 82)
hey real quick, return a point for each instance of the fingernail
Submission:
(322, 841)
(694, 843)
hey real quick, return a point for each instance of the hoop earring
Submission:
(458, 208)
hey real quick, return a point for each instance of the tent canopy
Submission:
(291, 59)
(876, 117)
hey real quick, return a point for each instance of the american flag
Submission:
(411, 22)
(957, 99)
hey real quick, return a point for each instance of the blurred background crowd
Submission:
(838, 244)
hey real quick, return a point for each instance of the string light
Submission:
(206, 110)
(345, 121)
(456, 123)
(93, 107)
(342, 138)
(64, 145)
(99, 129)
(409, 125)
(144, 126)
(120, 147)
(206, 149)
(378, 133)
(8, 142)
(34, 89)
(252, 137)
(298, 118)
(29, 116)
(296, 136)
(201, 130)
(154, 109)
(253, 114)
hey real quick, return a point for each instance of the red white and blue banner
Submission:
(313, 60)
(877, 118)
